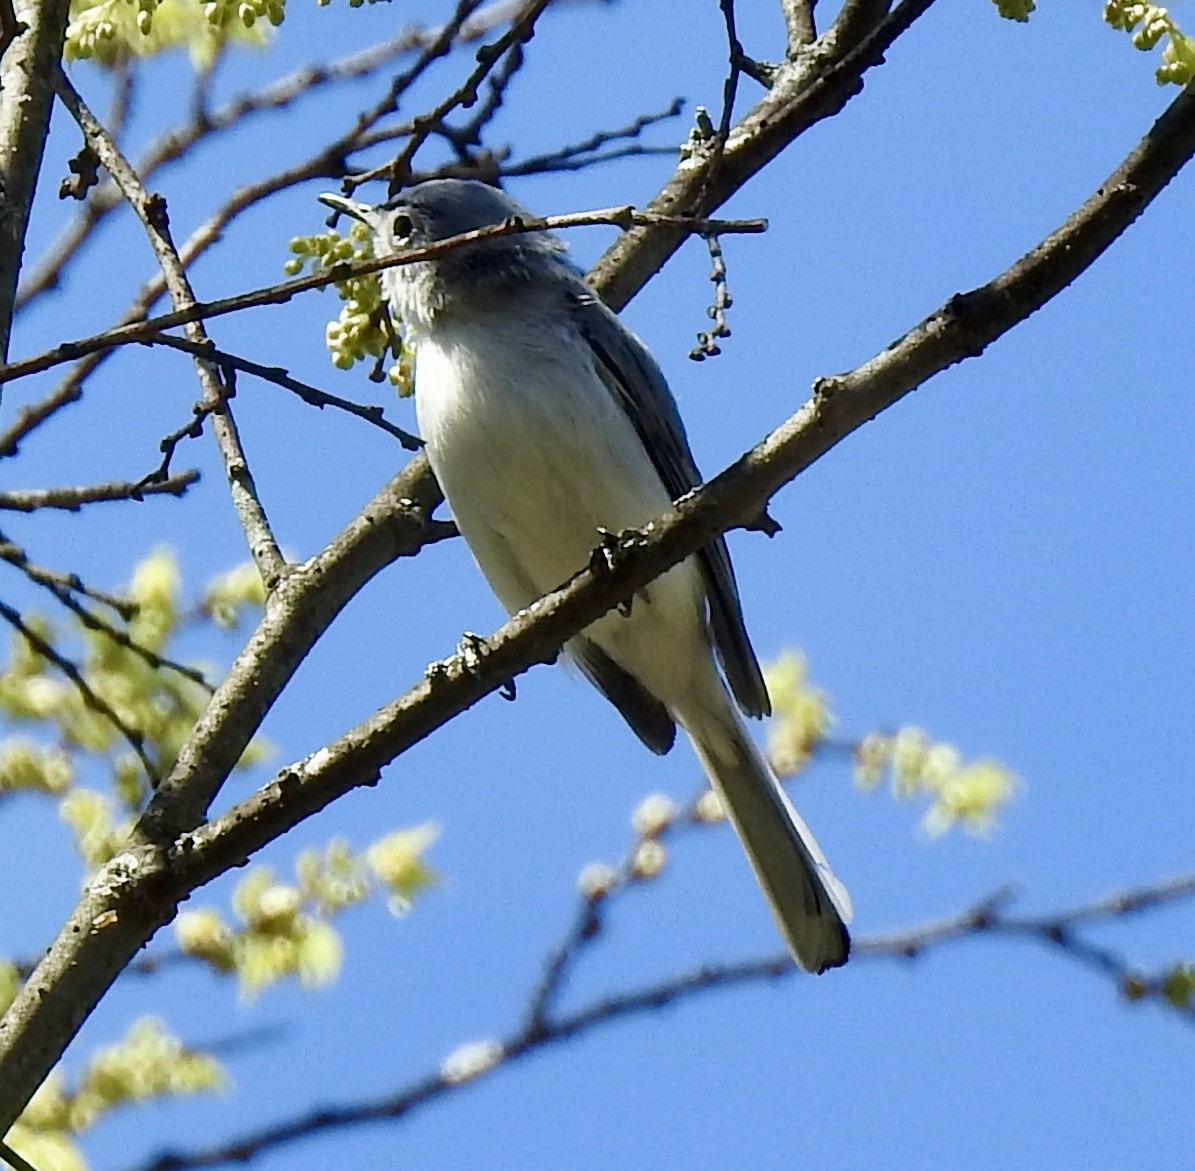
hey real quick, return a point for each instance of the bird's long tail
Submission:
(811, 906)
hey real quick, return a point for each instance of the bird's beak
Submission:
(349, 207)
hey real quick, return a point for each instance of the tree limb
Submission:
(986, 919)
(151, 210)
(26, 96)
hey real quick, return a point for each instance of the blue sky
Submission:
(1003, 559)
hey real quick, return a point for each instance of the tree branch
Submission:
(538, 1033)
(26, 96)
(72, 499)
(311, 395)
(151, 210)
(798, 24)
(806, 91)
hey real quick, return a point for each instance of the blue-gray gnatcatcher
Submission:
(547, 420)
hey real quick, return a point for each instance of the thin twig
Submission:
(311, 395)
(624, 217)
(521, 30)
(567, 157)
(440, 46)
(72, 499)
(16, 556)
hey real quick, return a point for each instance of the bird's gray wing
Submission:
(647, 716)
(636, 381)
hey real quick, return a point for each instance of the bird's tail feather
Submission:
(811, 906)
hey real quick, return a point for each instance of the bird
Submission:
(548, 423)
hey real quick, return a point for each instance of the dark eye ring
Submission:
(402, 228)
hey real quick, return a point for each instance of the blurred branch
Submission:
(72, 499)
(64, 587)
(541, 1029)
(71, 582)
(90, 697)
(151, 210)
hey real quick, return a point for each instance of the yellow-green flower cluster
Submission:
(111, 31)
(1178, 985)
(99, 831)
(229, 594)
(149, 1063)
(29, 766)
(969, 795)
(1015, 9)
(283, 928)
(800, 714)
(1147, 25)
(246, 13)
(361, 332)
(158, 703)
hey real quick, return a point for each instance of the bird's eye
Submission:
(401, 228)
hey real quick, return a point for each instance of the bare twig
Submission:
(521, 30)
(16, 557)
(440, 46)
(814, 87)
(311, 395)
(594, 148)
(72, 499)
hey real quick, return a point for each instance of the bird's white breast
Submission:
(535, 456)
